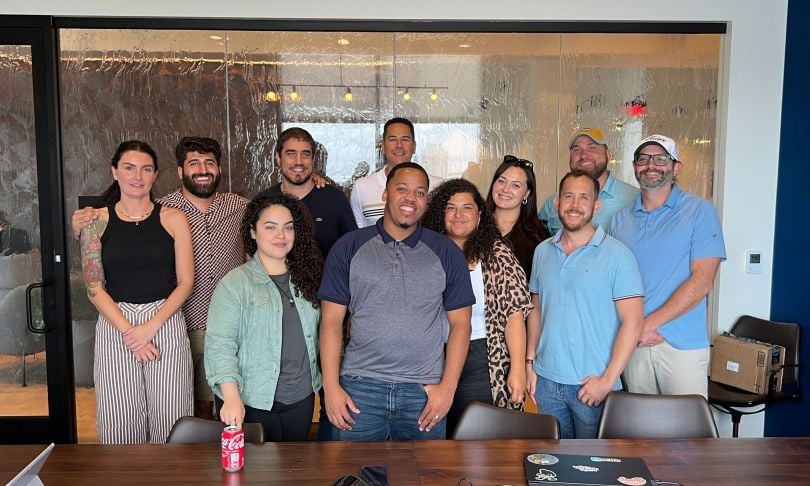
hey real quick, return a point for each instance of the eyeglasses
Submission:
(657, 159)
(511, 159)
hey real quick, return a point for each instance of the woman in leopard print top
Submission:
(457, 210)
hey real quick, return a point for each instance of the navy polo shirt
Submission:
(398, 293)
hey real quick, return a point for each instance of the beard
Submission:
(597, 170)
(666, 178)
(576, 226)
(200, 190)
(296, 181)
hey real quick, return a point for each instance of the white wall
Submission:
(751, 93)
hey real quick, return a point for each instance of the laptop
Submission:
(29, 476)
(565, 469)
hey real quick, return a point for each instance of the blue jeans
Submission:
(577, 420)
(388, 411)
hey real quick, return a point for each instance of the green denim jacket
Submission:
(243, 338)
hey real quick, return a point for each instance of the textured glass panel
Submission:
(23, 383)
(671, 79)
(473, 97)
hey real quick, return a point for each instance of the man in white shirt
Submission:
(399, 145)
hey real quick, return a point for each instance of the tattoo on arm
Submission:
(90, 243)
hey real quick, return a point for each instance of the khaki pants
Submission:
(664, 370)
(202, 392)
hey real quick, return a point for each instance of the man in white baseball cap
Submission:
(678, 242)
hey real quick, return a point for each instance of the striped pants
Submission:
(136, 402)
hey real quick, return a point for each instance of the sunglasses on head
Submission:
(511, 159)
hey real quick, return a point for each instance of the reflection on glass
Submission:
(23, 383)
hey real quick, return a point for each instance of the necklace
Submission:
(285, 293)
(134, 217)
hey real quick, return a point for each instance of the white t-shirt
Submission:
(366, 199)
(479, 320)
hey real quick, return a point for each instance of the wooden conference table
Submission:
(690, 462)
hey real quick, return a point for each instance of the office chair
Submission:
(481, 421)
(729, 400)
(193, 430)
(640, 416)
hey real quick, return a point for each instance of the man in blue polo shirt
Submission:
(588, 151)
(678, 242)
(587, 316)
(401, 283)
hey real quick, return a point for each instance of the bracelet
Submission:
(529, 360)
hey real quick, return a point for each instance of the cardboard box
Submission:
(747, 364)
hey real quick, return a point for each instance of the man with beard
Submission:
(402, 284)
(215, 219)
(329, 207)
(678, 242)
(587, 316)
(589, 152)
(398, 146)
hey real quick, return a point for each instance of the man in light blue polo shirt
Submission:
(588, 151)
(678, 242)
(587, 316)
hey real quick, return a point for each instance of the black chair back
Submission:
(481, 421)
(640, 416)
(193, 430)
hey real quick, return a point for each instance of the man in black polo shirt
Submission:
(295, 155)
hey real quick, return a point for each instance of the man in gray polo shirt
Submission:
(401, 283)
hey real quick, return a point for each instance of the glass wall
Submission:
(473, 97)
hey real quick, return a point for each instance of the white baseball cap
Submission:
(662, 141)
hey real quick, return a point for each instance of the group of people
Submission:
(213, 305)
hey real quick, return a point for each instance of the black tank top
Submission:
(138, 259)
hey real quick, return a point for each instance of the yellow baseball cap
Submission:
(594, 134)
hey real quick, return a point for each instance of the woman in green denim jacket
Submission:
(261, 345)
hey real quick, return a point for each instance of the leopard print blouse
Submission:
(506, 292)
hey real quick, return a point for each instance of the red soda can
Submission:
(233, 448)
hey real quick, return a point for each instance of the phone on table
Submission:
(374, 475)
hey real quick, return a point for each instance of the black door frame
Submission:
(60, 424)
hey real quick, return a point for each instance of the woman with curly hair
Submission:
(502, 302)
(512, 200)
(261, 346)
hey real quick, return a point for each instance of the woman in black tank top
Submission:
(138, 267)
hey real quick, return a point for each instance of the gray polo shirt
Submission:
(398, 293)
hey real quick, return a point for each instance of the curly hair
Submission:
(304, 261)
(478, 246)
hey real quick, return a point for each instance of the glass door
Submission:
(35, 363)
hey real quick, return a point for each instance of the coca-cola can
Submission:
(233, 448)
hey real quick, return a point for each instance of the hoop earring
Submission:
(525, 201)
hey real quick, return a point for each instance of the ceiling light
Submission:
(343, 42)
(348, 96)
(215, 37)
(271, 96)
(407, 95)
(294, 94)
(464, 46)
(434, 96)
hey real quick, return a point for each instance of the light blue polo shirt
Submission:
(615, 196)
(578, 294)
(665, 241)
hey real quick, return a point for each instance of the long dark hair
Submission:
(528, 230)
(304, 261)
(478, 246)
(113, 193)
